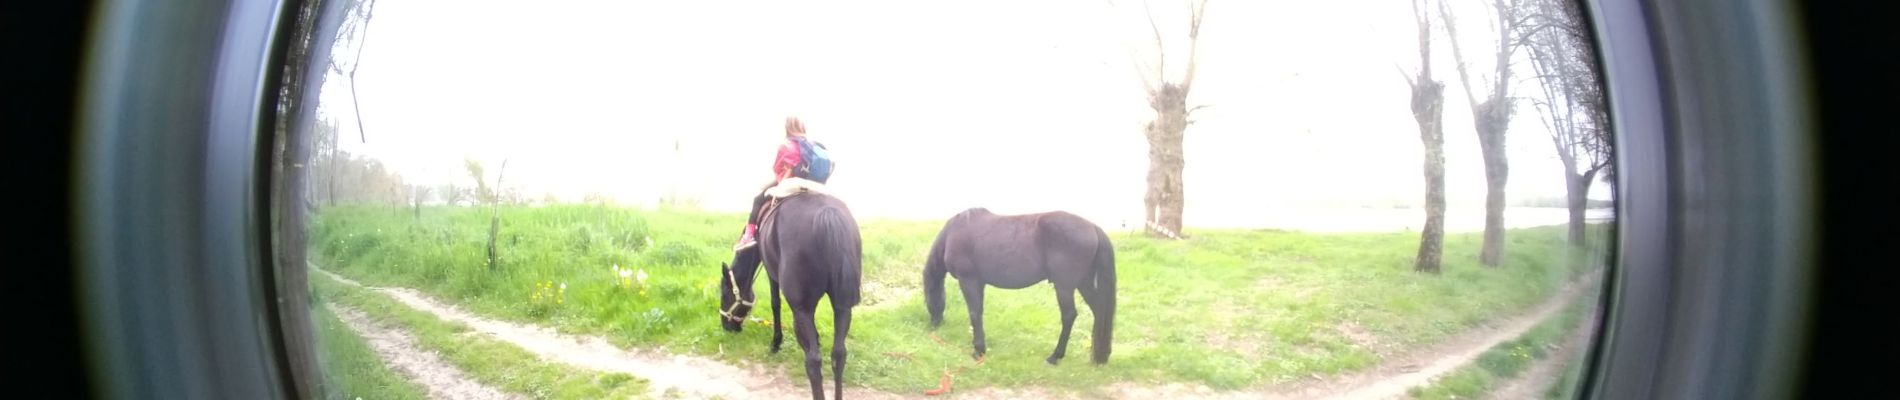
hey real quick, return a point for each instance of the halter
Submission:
(737, 300)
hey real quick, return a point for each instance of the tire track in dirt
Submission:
(1533, 382)
(1391, 379)
(400, 352)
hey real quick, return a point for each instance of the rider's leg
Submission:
(750, 237)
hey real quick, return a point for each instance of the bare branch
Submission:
(1600, 164)
(1141, 71)
(361, 135)
(1420, 15)
(1526, 19)
(1161, 51)
(1525, 37)
(369, 12)
(1457, 53)
(1406, 75)
(1501, 81)
(499, 174)
(1194, 40)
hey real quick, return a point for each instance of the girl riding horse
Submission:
(785, 166)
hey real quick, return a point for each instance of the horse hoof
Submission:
(1053, 360)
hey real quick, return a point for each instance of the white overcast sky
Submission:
(929, 107)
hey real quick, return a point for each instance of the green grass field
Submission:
(488, 361)
(351, 368)
(1229, 309)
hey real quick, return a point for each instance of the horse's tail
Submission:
(934, 271)
(1104, 302)
(842, 243)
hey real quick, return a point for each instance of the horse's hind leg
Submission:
(806, 328)
(1065, 300)
(973, 297)
(840, 326)
(778, 324)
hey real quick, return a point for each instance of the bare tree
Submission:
(1492, 118)
(357, 28)
(341, 177)
(452, 194)
(1166, 196)
(327, 158)
(418, 193)
(1428, 109)
(492, 197)
(1572, 101)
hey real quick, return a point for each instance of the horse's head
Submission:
(735, 289)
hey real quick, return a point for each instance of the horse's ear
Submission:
(723, 265)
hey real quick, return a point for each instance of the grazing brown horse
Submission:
(1015, 251)
(811, 249)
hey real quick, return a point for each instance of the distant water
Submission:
(1335, 220)
(1387, 220)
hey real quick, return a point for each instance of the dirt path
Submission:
(1392, 378)
(683, 375)
(400, 352)
(1533, 382)
(699, 377)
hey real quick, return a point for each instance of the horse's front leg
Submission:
(973, 297)
(778, 328)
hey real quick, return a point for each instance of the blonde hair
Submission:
(794, 126)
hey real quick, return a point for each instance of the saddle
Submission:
(788, 188)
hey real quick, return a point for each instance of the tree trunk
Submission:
(494, 228)
(1491, 119)
(1165, 200)
(1577, 187)
(1492, 116)
(494, 216)
(1428, 109)
(336, 168)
